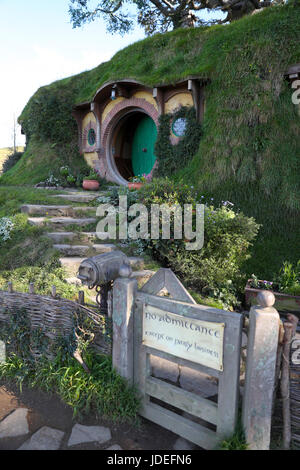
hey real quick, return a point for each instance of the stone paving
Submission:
(18, 431)
(48, 438)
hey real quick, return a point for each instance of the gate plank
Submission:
(186, 401)
(193, 432)
(229, 380)
(141, 360)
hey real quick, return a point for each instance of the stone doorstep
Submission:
(61, 221)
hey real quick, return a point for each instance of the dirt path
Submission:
(49, 410)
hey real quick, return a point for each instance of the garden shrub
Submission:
(215, 269)
(286, 281)
(172, 158)
(11, 160)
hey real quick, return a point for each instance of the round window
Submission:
(179, 127)
(91, 137)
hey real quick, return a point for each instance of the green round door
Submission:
(144, 138)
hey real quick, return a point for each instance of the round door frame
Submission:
(122, 109)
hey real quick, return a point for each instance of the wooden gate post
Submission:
(124, 292)
(260, 372)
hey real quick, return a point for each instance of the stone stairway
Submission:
(66, 223)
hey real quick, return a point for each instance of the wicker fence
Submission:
(52, 315)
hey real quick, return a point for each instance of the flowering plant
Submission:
(141, 179)
(6, 226)
(137, 179)
(259, 284)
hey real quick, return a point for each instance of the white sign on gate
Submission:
(185, 337)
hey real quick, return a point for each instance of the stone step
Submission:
(94, 235)
(103, 248)
(71, 265)
(136, 262)
(45, 210)
(61, 221)
(82, 250)
(76, 197)
(55, 210)
(59, 237)
(79, 192)
(72, 250)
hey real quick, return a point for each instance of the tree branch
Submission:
(164, 10)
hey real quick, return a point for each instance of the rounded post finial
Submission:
(125, 270)
(266, 298)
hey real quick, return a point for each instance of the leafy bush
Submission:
(116, 192)
(172, 158)
(286, 281)
(289, 278)
(11, 160)
(215, 269)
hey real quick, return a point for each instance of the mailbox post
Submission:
(100, 271)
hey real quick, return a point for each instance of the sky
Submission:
(38, 46)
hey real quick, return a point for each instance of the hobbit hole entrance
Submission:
(132, 144)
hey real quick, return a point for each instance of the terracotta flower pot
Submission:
(90, 185)
(135, 185)
(284, 303)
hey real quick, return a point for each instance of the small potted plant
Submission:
(286, 288)
(91, 182)
(136, 182)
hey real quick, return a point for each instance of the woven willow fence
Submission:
(53, 316)
(295, 392)
(287, 402)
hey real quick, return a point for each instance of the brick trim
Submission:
(116, 113)
(111, 120)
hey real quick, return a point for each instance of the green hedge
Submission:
(215, 269)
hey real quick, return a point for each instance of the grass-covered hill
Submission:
(250, 149)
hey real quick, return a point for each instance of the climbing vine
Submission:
(174, 157)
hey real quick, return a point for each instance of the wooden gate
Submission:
(162, 327)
